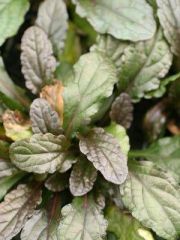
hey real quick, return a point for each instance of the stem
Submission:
(137, 153)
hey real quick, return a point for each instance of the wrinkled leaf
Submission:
(16, 208)
(38, 63)
(165, 153)
(141, 66)
(169, 16)
(82, 177)
(93, 82)
(11, 17)
(53, 94)
(6, 168)
(149, 193)
(125, 19)
(82, 220)
(52, 18)
(43, 225)
(8, 182)
(16, 126)
(120, 134)
(44, 119)
(41, 154)
(57, 182)
(122, 110)
(104, 151)
(124, 226)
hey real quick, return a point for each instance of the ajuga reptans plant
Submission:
(69, 165)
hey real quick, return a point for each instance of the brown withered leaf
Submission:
(53, 94)
(122, 110)
(16, 126)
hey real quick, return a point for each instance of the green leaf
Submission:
(11, 17)
(44, 119)
(153, 198)
(57, 182)
(120, 134)
(104, 151)
(8, 182)
(43, 225)
(124, 226)
(41, 154)
(122, 110)
(165, 153)
(11, 95)
(82, 177)
(4, 149)
(125, 19)
(84, 95)
(38, 63)
(16, 208)
(52, 18)
(169, 16)
(82, 220)
(141, 66)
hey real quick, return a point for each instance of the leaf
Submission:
(44, 119)
(82, 220)
(122, 110)
(10, 94)
(104, 151)
(16, 126)
(17, 207)
(4, 150)
(82, 177)
(153, 198)
(11, 17)
(43, 225)
(124, 226)
(53, 94)
(121, 136)
(93, 82)
(6, 168)
(41, 154)
(8, 182)
(125, 19)
(141, 66)
(38, 63)
(165, 153)
(57, 182)
(169, 17)
(52, 18)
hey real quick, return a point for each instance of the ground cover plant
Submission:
(89, 120)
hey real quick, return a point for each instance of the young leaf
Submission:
(141, 66)
(43, 225)
(44, 119)
(121, 136)
(38, 63)
(41, 154)
(6, 168)
(93, 82)
(164, 153)
(124, 226)
(122, 110)
(52, 18)
(82, 177)
(169, 16)
(104, 151)
(153, 197)
(16, 126)
(11, 17)
(123, 19)
(8, 182)
(17, 207)
(82, 220)
(57, 182)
